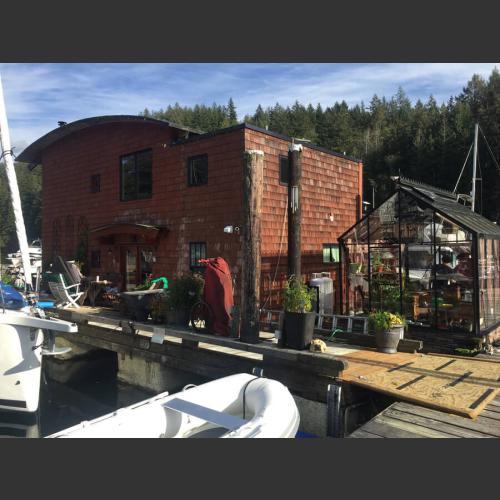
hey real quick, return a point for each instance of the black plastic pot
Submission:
(181, 317)
(298, 330)
(138, 303)
(387, 341)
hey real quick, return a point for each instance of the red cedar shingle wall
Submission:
(191, 214)
(331, 185)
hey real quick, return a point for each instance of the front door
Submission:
(136, 265)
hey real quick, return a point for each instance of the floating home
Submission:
(428, 256)
(132, 196)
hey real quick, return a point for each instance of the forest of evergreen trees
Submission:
(423, 141)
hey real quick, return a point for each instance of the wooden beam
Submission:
(253, 172)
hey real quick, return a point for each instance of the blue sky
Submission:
(39, 95)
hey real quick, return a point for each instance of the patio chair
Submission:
(66, 296)
(72, 277)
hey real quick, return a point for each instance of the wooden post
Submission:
(253, 173)
(294, 210)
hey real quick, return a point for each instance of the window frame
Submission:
(190, 159)
(203, 246)
(330, 246)
(95, 183)
(281, 181)
(135, 154)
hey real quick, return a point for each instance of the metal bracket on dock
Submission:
(128, 327)
(333, 418)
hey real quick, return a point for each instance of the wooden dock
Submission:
(405, 420)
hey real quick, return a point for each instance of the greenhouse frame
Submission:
(426, 255)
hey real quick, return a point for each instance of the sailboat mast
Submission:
(474, 167)
(14, 190)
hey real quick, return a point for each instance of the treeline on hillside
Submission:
(30, 189)
(424, 141)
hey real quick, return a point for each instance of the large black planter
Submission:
(387, 341)
(139, 303)
(298, 330)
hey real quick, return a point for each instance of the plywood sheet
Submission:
(463, 386)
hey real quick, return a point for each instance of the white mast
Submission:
(474, 165)
(14, 190)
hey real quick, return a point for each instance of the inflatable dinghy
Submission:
(238, 406)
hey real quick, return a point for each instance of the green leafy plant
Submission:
(382, 321)
(146, 285)
(297, 297)
(185, 291)
(7, 279)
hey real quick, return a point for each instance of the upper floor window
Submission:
(198, 170)
(95, 183)
(330, 253)
(136, 178)
(284, 170)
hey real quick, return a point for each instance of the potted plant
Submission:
(298, 327)
(184, 292)
(388, 328)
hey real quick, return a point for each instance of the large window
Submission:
(197, 251)
(136, 177)
(198, 170)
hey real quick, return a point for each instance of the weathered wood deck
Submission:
(405, 420)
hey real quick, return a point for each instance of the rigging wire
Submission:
(489, 149)
(462, 171)
(279, 257)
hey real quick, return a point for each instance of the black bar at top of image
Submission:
(227, 31)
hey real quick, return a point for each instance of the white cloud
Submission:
(38, 95)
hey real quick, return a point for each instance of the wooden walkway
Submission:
(464, 386)
(405, 420)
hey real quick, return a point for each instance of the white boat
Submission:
(237, 406)
(21, 349)
(23, 326)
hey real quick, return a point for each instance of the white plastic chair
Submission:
(66, 296)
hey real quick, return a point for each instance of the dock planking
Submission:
(464, 386)
(405, 420)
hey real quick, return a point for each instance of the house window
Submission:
(198, 170)
(136, 175)
(330, 253)
(95, 183)
(95, 258)
(197, 251)
(284, 170)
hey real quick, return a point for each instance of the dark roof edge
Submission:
(32, 153)
(267, 132)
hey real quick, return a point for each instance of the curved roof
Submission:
(33, 153)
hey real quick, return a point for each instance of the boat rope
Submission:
(8, 152)
(462, 171)
(273, 281)
(244, 393)
(489, 149)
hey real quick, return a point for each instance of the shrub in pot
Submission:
(388, 329)
(298, 326)
(183, 293)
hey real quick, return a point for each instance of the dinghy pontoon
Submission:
(238, 406)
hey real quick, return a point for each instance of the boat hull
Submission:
(20, 367)
(269, 412)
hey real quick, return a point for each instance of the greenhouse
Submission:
(426, 255)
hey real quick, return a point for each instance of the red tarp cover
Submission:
(218, 294)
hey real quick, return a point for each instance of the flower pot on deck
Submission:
(387, 341)
(298, 330)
